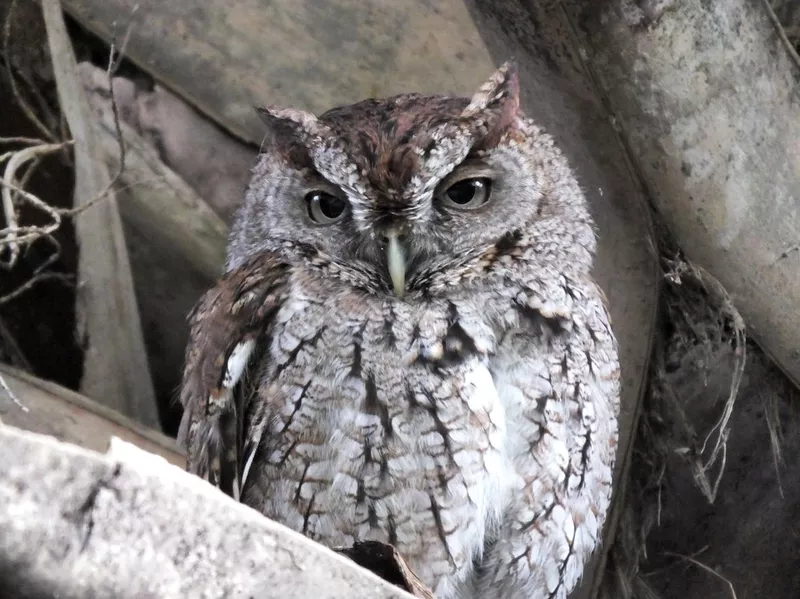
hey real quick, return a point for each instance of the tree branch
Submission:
(127, 524)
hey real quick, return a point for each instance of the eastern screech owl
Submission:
(408, 346)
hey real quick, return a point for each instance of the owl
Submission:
(407, 345)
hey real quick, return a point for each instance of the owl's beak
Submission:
(396, 261)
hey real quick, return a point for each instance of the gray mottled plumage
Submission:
(439, 376)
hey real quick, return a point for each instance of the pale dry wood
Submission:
(78, 524)
(156, 199)
(227, 56)
(70, 417)
(706, 96)
(176, 242)
(116, 371)
(214, 163)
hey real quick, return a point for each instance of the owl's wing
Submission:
(227, 325)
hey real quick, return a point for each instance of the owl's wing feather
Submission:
(226, 326)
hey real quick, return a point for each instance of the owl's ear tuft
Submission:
(291, 120)
(292, 133)
(499, 93)
(493, 108)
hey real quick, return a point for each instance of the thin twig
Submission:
(120, 141)
(707, 569)
(9, 187)
(26, 177)
(39, 274)
(773, 419)
(35, 279)
(31, 141)
(24, 106)
(11, 395)
(721, 430)
(125, 39)
(49, 117)
(16, 357)
(776, 22)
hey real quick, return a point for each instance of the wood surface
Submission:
(175, 241)
(225, 56)
(70, 417)
(706, 97)
(77, 524)
(115, 367)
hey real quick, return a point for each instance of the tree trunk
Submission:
(115, 371)
(706, 97)
(76, 524)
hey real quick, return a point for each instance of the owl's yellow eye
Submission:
(467, 193)
(325, 208)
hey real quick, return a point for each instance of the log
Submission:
(70, 417)
(176, 242)
(226, 56)
(214, 163)
(558, 93)
(115, 368)
(126, 524)
(705, 94)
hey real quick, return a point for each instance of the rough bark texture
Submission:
(116, 370)
(706, 95)
(80, 525)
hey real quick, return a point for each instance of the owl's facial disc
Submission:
(468, 189)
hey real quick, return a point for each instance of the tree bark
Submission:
(115, 371)
(80, 525)
(706, 98)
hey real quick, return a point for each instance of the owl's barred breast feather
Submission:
(472, 424)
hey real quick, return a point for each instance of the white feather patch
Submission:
(246, 470)
(237, 362)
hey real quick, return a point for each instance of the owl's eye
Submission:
(325, 208)
(467, 193)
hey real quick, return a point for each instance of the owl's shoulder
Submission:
(224, 328)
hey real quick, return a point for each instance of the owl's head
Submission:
(412, 195)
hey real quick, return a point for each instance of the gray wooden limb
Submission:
(115, 369)
(53, 410)
(76, 524)
(706, 97)
(175, 241)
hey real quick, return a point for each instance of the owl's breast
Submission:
(383, 426)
